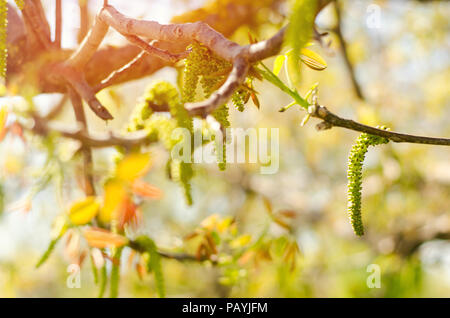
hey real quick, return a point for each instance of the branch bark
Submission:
(330, 120)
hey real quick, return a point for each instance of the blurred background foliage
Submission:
(281, 235)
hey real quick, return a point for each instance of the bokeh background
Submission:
(402, 66)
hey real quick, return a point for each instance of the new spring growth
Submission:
(161, 128)
(354, 176)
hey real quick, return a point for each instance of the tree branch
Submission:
(330, 120)
(58, 23)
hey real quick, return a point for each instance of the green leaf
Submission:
(154, 262)
(278, 64)
(301, 24)
(293, 70)
(275, 80)
(48, 252)
(103, 280)
(115, 274)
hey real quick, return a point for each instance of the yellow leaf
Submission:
(133, 166)
(241, 241)
(114, 196)
(293, 70)
(313, 60)
(101, 238)
(84, 211)
(3, 118)
(278, 64)
(210, 222)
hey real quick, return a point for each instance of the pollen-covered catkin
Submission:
(161, 128)
(3, 28)
(354, 176)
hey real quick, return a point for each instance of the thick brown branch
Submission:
(330, 119)
(153, 50)
(89, 45)
(78, 82)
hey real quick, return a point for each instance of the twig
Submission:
(330, 120)
(78, 82)
(84, 19)
(57, 109)
(348, 64)
(58, 23)
(133, 139)
(87, 152)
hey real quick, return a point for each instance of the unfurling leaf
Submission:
(3, 118)
(114, 196)
(82, 212)
(144, 189)
(313, 60)
(241, 241)
(48, 251)
(153, 262)
(301, 23)
(133, 166)
(100, 238)
(278, 64)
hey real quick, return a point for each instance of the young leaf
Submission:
(293, 69)
(3, 118)
(115, 274)
(271, 77)
(146, 190)
(100, 238)
(103, 281)
(114, 196)
(301, 24)
(313, 60)
(133, 166)
(49, 250)
(82, 212)
(278, 64)
(154, 262)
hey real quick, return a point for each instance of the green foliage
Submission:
(103, 280)
(115, 273)
(153, 262)
(3, 34)
(275, 80)
(354, 175)
(301, 24)
(48, 251)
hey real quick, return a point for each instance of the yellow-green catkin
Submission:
(161, 128)
(3, 34)
(354, 176)
(203, 67)
(20, 4)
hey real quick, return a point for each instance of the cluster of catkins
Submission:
(160, 127)
(354, 176)
(204, 67)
